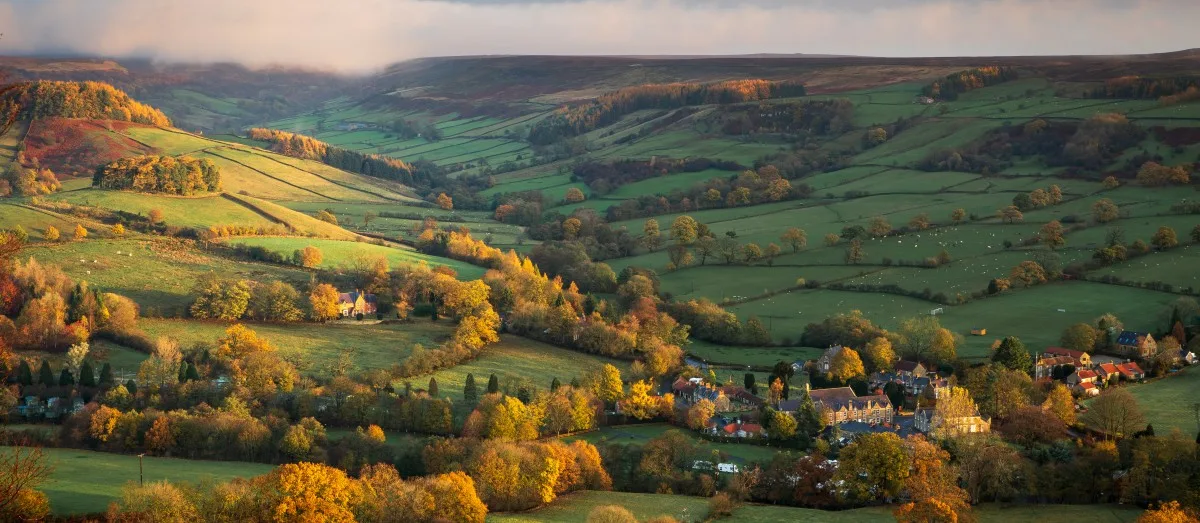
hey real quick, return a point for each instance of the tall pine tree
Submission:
(493, 384)
(46, 376)
(555, 384)
(106, 376)
(433, 387)
(24, 373)
(192, 373)
(131, 386)
(87, 376)
(65, 379)
(470, 389)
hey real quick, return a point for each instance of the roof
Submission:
(1056, 361)
(1086, 374)
(1059, 351)
(351, 297)
(832, 351)
(837, 398)
(1130, 369)
(751, 427)
(907, 366)
(1130, 337)
(1087, 386)
(789, 405)
(1108, 368)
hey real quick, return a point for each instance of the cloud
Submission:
(359, 35)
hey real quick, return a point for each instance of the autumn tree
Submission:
(1011, 214)
(607, 384)
(444, 202)
(958, 215)
(1116, 413)
(239, 341)
(51, 234)
(751, 253)
(1030, 425)
(219, 299)
(323, 302)
(1104, 211)
(924, 337)
(919, 222)
(80, 232)
(880, 357)
(771, 252)
(1061, 403)
(997, 390)
(308, 257)
(879, 226)
(831, 239)
(683, 230)
(932, 486)
(795, 237)
(159, 501)
(846, 365)
(854, 252)
(651, 235)
(1153, 174)
(326, 216)
(22, 470)
(161, 369)
(874, 466)
(1029, 273)
(312, 492)
(642, 405)
(1052, 235)
(274, 301)
(699, 414)
(1168, 512)
(1080, 336)
(1164, 239)
(574, 195)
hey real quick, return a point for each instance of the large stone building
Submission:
(841, 405)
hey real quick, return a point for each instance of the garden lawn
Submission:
(85, 482)
(313, 347)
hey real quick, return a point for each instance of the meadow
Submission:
(574, 507)
(1168, 403)
(316, 348)
(640, 434)
(517, 360)
(157, 274)
(198, 212)
(345, 254)
(85, 482)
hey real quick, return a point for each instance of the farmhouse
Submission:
(841, 404)
(1081, 359)
(910, 370)
(357, 302)
(1048, 367)
(930, 421)
(1131, 371)
(1107, 372)
(1139, 344)
(1082, 376)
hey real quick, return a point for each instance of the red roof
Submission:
(1086, 374)
(1130, 369)
(1087, 386)
(731, 428)
(1059, 351)
(1108, 369)
(753, 428)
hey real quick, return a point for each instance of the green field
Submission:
(184, 212)
(86, 482)
(640, 434)
(575, 507)
(1167, 402)
(517, 359)
(342, 254)
(313, 348)
(159, 275)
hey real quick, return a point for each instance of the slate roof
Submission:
(1130, 337)
(906, 366)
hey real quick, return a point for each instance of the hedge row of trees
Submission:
(578, 119)
(952, 85)
(182, 175)
(375, 165)
(603, 177)
(92, 100)
(1144, 88)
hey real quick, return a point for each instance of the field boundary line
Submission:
(280, 180)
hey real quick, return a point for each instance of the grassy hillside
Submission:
(86, 482)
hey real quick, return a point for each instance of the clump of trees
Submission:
(166, 174)
(811, 118)
(378, 166)
(91, 100)
(1145, 88)
(574, 120)
(952, 85)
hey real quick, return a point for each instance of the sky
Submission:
(362, 35)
